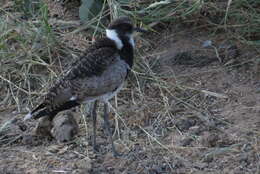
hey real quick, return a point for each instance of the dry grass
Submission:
(34, 52)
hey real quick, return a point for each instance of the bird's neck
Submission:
(124, 44)
(127, 52)
(112, 34)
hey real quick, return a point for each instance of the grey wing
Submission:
(98, 73)
(84, 77)
(108, 82)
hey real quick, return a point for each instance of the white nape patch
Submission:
(111, 34)
(131, 40)
(73, 98)
(27, 116)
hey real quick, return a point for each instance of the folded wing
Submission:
(97, 73)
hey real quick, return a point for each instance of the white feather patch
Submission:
(111, 34)
(27, 116)
(73, 98)
(132, 42)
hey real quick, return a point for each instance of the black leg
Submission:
(107, 127)
(94, 119)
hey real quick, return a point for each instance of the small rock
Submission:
(65, 127)
(43, 127)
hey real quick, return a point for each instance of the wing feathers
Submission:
(51, 112)
(93, 64)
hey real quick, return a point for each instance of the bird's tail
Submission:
(38, 112)
(45, 110)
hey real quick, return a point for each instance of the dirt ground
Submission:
(208, 122)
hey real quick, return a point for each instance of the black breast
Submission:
(127, 52)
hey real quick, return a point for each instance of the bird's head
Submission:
(121, 30)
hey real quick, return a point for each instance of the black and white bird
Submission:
(96, 76)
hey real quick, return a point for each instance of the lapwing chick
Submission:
(97, 76)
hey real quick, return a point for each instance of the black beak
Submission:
(137, 29)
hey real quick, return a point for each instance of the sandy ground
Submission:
(208, 121)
